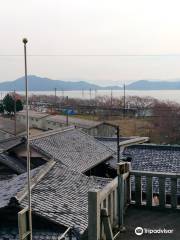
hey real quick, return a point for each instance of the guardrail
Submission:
(106, 207)
(165, 183)
(98, 200)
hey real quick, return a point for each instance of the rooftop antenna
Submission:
(27, 143)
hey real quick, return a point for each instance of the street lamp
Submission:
(27, 140)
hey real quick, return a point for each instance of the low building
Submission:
(36, 119)
(94, 128)
(9, 128)
(45, 121)
(59, 197)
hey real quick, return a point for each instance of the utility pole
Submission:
(15, 113)
(55, 98)
(111, 101)
(124, 112)
(62, 92)
(118, 147)
(90, 93)
(67, 114)
(27, 141)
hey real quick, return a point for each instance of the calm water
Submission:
(172, 95)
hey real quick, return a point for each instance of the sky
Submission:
(99, 31)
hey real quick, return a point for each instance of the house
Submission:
(155, 158)
(9, 128)
(69, 146)
(36, 119)
(94, 128)
(73, 148)
(45, 121)
(10, 166)
(59, 198)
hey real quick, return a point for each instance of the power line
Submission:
(91, 55)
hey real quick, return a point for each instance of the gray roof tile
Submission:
(61, 195)
(12, 162)
(9, 143)
(13, 234)
(78, 122)
(73, 148)
(157, 158)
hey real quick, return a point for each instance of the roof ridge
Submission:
(97, 140)
(34, 181)
(52, 132)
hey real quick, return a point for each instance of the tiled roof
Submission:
(12, 162)
(73, 148)
(60, 195)
(4, 135)
(13, 234)
(11, 188)
(112, 141)
(155, 158)
(78, 122)
(7, 125)
(9, 143)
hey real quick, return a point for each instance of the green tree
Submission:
(1, 108)
(8, 103)
(19, 105)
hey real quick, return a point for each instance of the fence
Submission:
(106, 207)
(105, 212)
(150, 183)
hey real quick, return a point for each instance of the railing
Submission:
(98, 200)
(147, 184)
(106, 208)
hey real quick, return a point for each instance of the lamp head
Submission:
(24, 40)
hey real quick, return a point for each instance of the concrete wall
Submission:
(33, 121)
(102, 130)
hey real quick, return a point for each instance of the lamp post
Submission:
(27, 140)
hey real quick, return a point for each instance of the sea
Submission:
(165, 95)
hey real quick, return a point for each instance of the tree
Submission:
(1, 108)
(8, 103)
(166, 122)
(19, 105)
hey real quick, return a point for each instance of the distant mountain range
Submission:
(45, 84)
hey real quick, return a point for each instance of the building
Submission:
(36, 119)
(68, 165)
(93, 128)
(9, 128)
(59, 197)
(46, 122)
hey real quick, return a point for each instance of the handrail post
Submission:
(94, 215)
(122, 169)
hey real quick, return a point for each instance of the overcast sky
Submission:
(100, 27)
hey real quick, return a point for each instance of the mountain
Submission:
(45, 84)
(154, 85)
